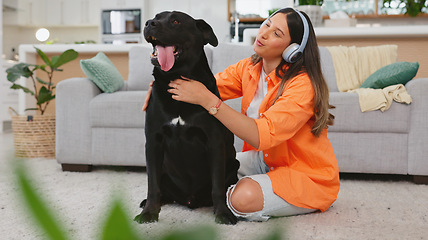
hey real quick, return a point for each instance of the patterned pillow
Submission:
(392, 74)
(102, 72)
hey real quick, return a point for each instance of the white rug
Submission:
(365, 209)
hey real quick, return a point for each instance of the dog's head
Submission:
(177, 39)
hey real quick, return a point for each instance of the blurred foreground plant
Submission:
(117, 226)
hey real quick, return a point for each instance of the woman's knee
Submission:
(247, 196)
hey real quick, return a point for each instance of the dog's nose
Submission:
(151, 23)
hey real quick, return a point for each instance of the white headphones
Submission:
(293, 52)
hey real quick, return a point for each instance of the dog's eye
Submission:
(175, 21)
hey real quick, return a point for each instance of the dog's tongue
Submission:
(165, 57)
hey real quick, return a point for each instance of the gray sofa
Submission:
(95, 128)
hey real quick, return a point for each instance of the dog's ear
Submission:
(207, 31)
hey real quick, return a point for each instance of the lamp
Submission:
(42, 34)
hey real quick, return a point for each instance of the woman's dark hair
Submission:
(310, 63)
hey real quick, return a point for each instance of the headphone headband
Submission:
(305, 31)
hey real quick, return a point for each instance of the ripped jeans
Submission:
(254, 167)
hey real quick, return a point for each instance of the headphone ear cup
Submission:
(290, 52)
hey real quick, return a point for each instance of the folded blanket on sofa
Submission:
(374, 99)
(354, 64)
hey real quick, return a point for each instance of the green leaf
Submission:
(43, 82)
(44, 57)
(44, 95)
(41, 67)
(118, 225)
(65, 57)
(276, 235)
(38, 208)
(17, 71)
(310, 2)
(201, 232)
(26, 90)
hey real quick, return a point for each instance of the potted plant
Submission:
(313, 9)
(34, 136)
(410, 7)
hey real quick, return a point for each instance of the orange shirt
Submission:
(303, 168)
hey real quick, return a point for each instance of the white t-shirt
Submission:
(253, 109)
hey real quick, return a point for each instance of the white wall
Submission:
(1, 31)
(2, 74)
(214, 12)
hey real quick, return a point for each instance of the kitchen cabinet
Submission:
(72, 12)
(36, 12)
(54, 12)
(93, 12)
(121, 4)
(77, 12)
(16, 15)
(45, 13)
(27, 12)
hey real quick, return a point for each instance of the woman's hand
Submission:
(191, 91)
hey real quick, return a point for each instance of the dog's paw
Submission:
(146, 217)
(226, 217)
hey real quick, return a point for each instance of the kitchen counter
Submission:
(372, 31)
(356, 32)
(25, 49)
(118, 54)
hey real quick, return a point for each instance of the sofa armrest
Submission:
(73, 131)
(418, 130)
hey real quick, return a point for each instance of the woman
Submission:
(288, 163)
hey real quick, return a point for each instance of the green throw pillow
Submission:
(102, 72)
(395, 73)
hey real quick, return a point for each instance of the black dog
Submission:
(190, 154)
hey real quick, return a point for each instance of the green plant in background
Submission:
(85, 42)
(271, 11)
(117, 225)
(310, 2)
(410, 7)
(45, 93)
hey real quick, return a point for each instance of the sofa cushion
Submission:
(349, 118)
(327, 68)
(395, 73)
(119, 109)
(102, 72)
(227, 54)
(140, 68)
(370, 152)
(118, 146)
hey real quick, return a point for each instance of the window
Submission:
(361, 8)
(257, 10)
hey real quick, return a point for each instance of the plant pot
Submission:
(34, 136)
(314, 13)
